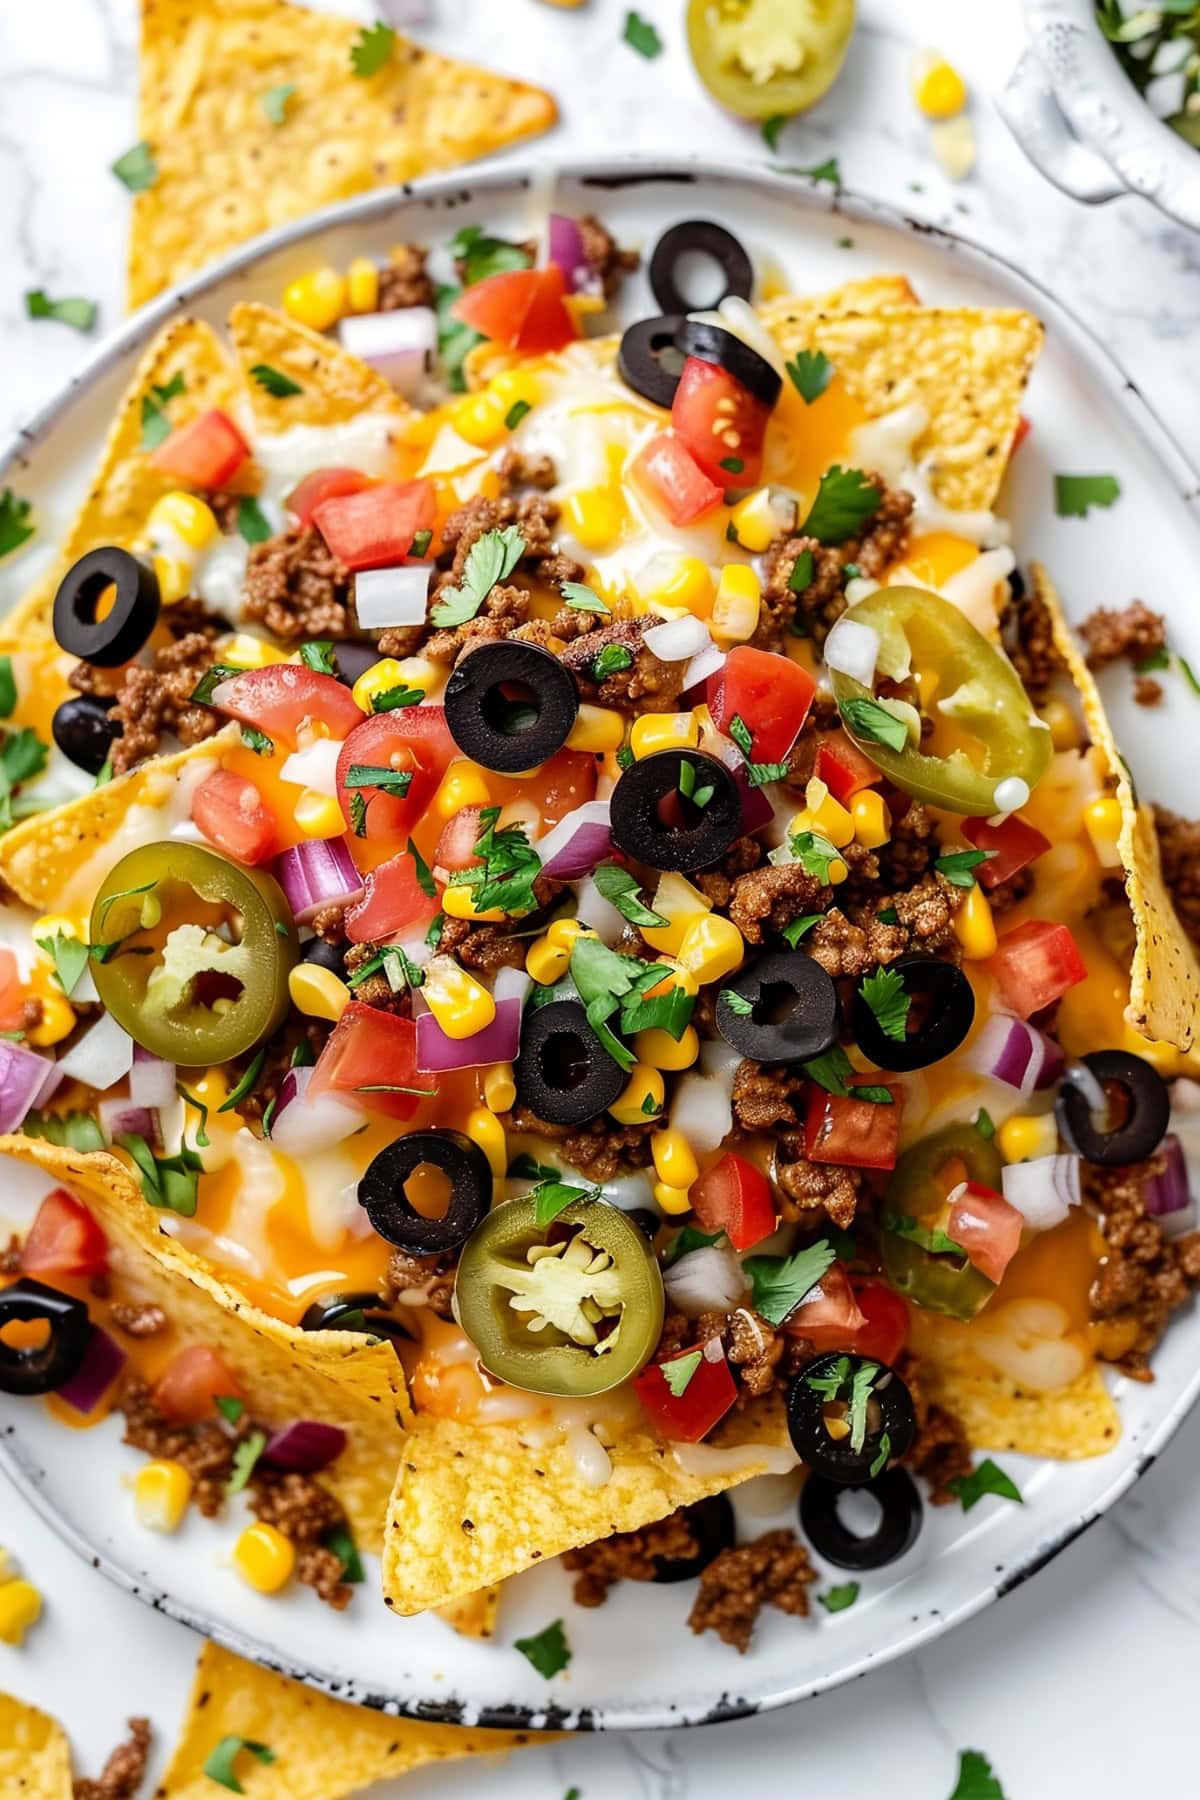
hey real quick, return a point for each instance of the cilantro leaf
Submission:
(582, 597)
(137, 168)
(829, 171)
(861, 1386)
(524, 1168)
(492, 558)
(641, 36)
(975, 1778)
(22, 756)
(8, 688)
(424, 874)
(552, 1197)
(677, 1372)
(79, 314)
(275, 382)
(928, 1237)
(845, 501)
(621, 889)
(883, 991)
(796, 930)
(830, 1386)
(758, 774)
(211, 679)
(802, 572)
(867, 719)
(220, 1764)
(733, 465)
(381, 776)
(810, 373)
(257, 740)
(837, 1599)
(882, 1456)
(318, 656)
(245, 1456)
(252, 521)
(455, 339)
(611, 661)
(275, 101)
(832, 1071)
(229, 1407)
(780, 1283)
(516, 413)
(480, 255)
(988, 1478)
(509, 869)
(1074, 494)
(814, 853)
(73, 1131)
(15, 526)
(985, 1125)
(690, 1239)
(371, 49)
(737, 1003)
(342, 1544)
(69, 956)
(392, 699)
(168, 1182)
(958, 865)
(156, 427)
(772, 127)
(548, 1651)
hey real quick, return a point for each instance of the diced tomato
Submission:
(64, 1239)
(885, 1333)
(734, 1197)
(1024, 427)
(392, 901)
(1034, 965)
(12, 992)
(841, 765)
(324, 484)
(568, 780)
(829, 1315)
(376, 526)
(187, 1389)
(1014, 845)
(676, 480)
(372, 1050)
(410, 737)
(721, 423)
(859, 1134)
(523, 309)
(771, 695)
(230, 812)
(459, 836)
(686, 1418)
(987, 1227)
(284, 696)
(206, 453)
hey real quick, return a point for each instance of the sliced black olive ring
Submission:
(793, 1009)
(711, 344)
(46, 1367)
(677, 809)
(704, 238)
(1139, 1109)
(325, 955)
(940, 1014)
(712, 1525)
(352, 659)
(564, 1074)
(127, 623)
(819, 1413)
(900, 1519)
(392, 1214)
(648, 360)
(510, 706)
(84, 729)
(351, 1312)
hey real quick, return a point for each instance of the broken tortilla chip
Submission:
(255, 114)
(35, 1762)
(334, 386)
(474, 1615)
(1067, 1423)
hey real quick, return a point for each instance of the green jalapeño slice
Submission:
(191, 952)
(919, 1260)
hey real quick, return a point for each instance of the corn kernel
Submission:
(664, 731)
(872, 820)
(974, 926)
(457, 1001)
(545, 962)
(459, 903)
(712, 946)
(1064, 726)
(837, 872)
(755, 522)
(485, 1129)
(161, 1491)
(736, 607)
(264, 1558)
(937, 88)
(674, 1159)
(597, 729)
(565, 933)
(672, 1199)
(828, 816)
(244, 651)
(1027, 1135)
(594, 516)
(464, 784)
(20, 1607)
(674, 976)
(317, 299)
(658, 1048)
(362, 285)
(479, 418)
(174, 578)
(378, 679)
(512, 387)
(678, 902)
(52, 925)
(1102, 822)
(688, 586)
(317, 991)
(318, 815)
(643, 1097)
(185, 515)
(56, 1023)
(499, 1088)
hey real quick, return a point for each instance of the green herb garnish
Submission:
(884, 992)
(988, 1478)
(837, 1599)
(867, 719)
(318, 656)
(845, 501)
(492, 558)
(677, 1372)
(156, 427)
(958, 866)
(275, 382)
(810, 373)
(252, 521)
(1074, 494)
(79, 314)
(582, 597)
(611, 661)
(371, 49)
(275, 101)
(552, 1197)
(136, 168)
(622, 890)
(548, 1651)
(641, 36)
(780, 1283)
(220, 1764)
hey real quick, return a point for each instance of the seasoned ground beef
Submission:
(645, 685)
(754, 1349)
(138, 1321)
(603, 255)
(765, 1095)
(224, 507)
(505, 609)
(125, 1770)
(843, 947)
(1147, 691)
(192, 615)
(306, 1513)
(313, 1033)
(808, 1186)
(911, 850)
(628, 1556)
(403, 280)
(1027, 632)
(205, 1450)
(10, 1256)
(1010, 893)
(926, 912)
(534, 515)
(769, 898)
(376, 990)
(940, 1452)
(486, 947)
(600, 1149)
(155, 701)
(517, 471)
(1179, 847)
(773, 1570)
(328, 922)
(1134, 632)
(1144, 1277)
(421, 1281)
(821, 603)
(570, 622)
(717, 883)
(297, 587)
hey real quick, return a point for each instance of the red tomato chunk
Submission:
(687, 1417)
(64, 1239)
(1034, 965)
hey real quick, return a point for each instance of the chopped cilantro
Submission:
(867, 719)
(275, 101)
(845, 501)
(772, 127)
(516, 413)
(229, 1407)
(837, 1599)
(611, 660)
(796, 930)
(190, 1099)
(8, 687)
(433, 936)
(391, 699)
(1157, 659)
(737, 1003)
(548, 1651)
(252, 521)
(621, 889)
(732, 465)
(69, 956)
(168, 1182)
(275, 382)
(928, 1237)
(758, 774)
(889, 916)
(340, 1541)
(641, 36)
(509, 869)
(690, 1239)
(318, 656)
(582, 597)
(371, 49)
(15, 526)
(455, 340)
(883, 991)
(779, 1283)
(810, 373)
(815, 854)
(424, 874)
(958, 866)
(861, 1387)
(421, 542)
(830, 1386)
(136, 168)
(220, 1764)
(480, 255)
(22, 756)
(79, 314)
(524, 1168)
(829, 171)
(988, 1478)
(677, 1372)
(985, 1125)
(492, 558)
(975, 1778)
(257, 740)
(651, 1107)
(552, 1197)
(156, 427)
(802, 572)
(882, 1455)
(832, 1071)
(211, 679)
(380, 776)
(625, 757)
(1074, 494)
(247, 1083)
(72, 1131)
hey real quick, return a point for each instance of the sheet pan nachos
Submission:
(577, 935)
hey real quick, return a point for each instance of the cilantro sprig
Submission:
(958, 866)
(492, 558)
(884, 992)
(371, 50)
(548, 1651)
(988, 1478)
(780, 1283)
(79, 314)
(810, 373)
(758, 774)
(868, 719)
(844, 502)
(156, 427)
(1075, 494)
(275, 382)
(622, 890)
(832, 1071)
(16, 521)
(508, 871)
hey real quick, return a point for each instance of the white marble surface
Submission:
(1081, 1683)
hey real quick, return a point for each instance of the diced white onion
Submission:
(852, 649)
(102, 1057)
(702, 1108)
(511, 984)
(706, 1280)
(706, 662)
(678, 639)
(315, 767)
(738, 317)
(1010, 795)
(593, 909)
(396, 596)
(151, 1081)
(400, 344)
(1043, 1190)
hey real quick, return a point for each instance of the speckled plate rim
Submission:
(611, 174)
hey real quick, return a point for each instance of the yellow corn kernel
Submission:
(712, 946)
(736, 607)
(674, 1159)
(263, 1557)
(479, 418)
(688, 586)
(499, 1088)
(485, 1129)
(56, 1023)
(938, 89)
(672, 1199)
(378, 679)
(658, 1048)
(828, 816)
(52, 925)
(511, 387)
(1102, 822)
(20, 1607)
(317, 991)
(317, 299)
(545, 962)
(674, 976)
(457, 1001)
(1027, 1135)
(318, 815)
(974, 926)
(362, 285)
(678, 902)
(464, 784)
(161, 1491)
(594, 516)
(755, 522)
(872, 820)
(174, 577)
(244, 651)
(664, 731)
(459, 903)
(1064, 726)
(597, 729)
(185, 515)
(564, 933)
(643, 1097)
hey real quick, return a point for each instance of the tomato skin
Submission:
(987, 1227)
(841, 765)
(734, 1197)
(884, 1334)
(188, 1387)
(523, 309)
(1034, 965)
(411, 737)
(1015, 844)
(206, 453)
(282, 697)
(720, 421)
(1024, 427)
(707, 1397)
(369, 1048)
(568, 780)
(458, 838)
(230, 812)
(64, 1239)
(858, 1134)
(324, 484)
(12, 992)
(676, 480)
(376, 526)
(770, 693)
(392, 901)
(829, 1317)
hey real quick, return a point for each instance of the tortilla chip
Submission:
(1068, 1424)
(35, 1762)
(1164, 987)
(226, 172)
(873, 293)
(337, 1376)
(474, 1615)
(335, 386)
(322, 1748)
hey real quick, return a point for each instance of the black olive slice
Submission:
(647, 1222)
(325, 956)
(41, 1370)
(1140, 1109)
(941, 1012)
(900, 1519)
(351, 1312)
(820, 1412)
(510, 706)
(711, 344)
(677, 809)
(392, 1213)
(698, 237)
(352, 659)
(648, 360)
(793, 1009)
(713, 1527)
(83, 729)
(564, 1074)
(120, 634)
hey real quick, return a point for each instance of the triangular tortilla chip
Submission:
(226, 171)
(35, 1762)
(335, 386)
(473, 1616)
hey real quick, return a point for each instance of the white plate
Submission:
(634, 1662)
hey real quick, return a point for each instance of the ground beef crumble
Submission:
(629, 1556)
(125, 1770)
(773, 1570)
(421, 1281)
(1179, 847)
(940, 1451)
(599, 1150)
(376, 990)
(154, 700)
(1027, 632)
(819, 605)
(807, 1186)
(1134, 632)
(306, 1513)
(770, 898)
(278, 1061)
(297, 587)
(646, 685)
(1144, 1276)
(205, 1450)
(137, 1321)
(403, 280)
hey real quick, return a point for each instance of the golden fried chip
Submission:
(1067, 1423)
(474, 1615)
(334, 385)
(35, 1762)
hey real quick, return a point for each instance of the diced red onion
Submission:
(1169, 1192)
(757, 810)
(710, 1279)
(1014, 1052)
(702, 1109)
(511, 984)
(1054, 1061)
(852, 648)
(102, 1057)
(577, 843)
(497, 1042)
(395, 596)
(314, 767)
(306, 1445)
(316, 872)
(50, 1083)
(564, 242)
(25, 1083)
(118, 1117)
(400, 344)
(302, 1127)
(706, 662)
(1043, 1190)
(102, 1361)
(151, 1080)
(678, 640)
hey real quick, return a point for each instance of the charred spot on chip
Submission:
(510, 706)
(421, 1158)
(848, 1417)
(703, 238)
(564, 1074)
(106, 606)
(1113, 1107)
(940, 1013)
(782, 1008)
(41, 1367)
(901, 1514)
(713, 344)
(83, 728)
(648, 359)
(676, 810)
